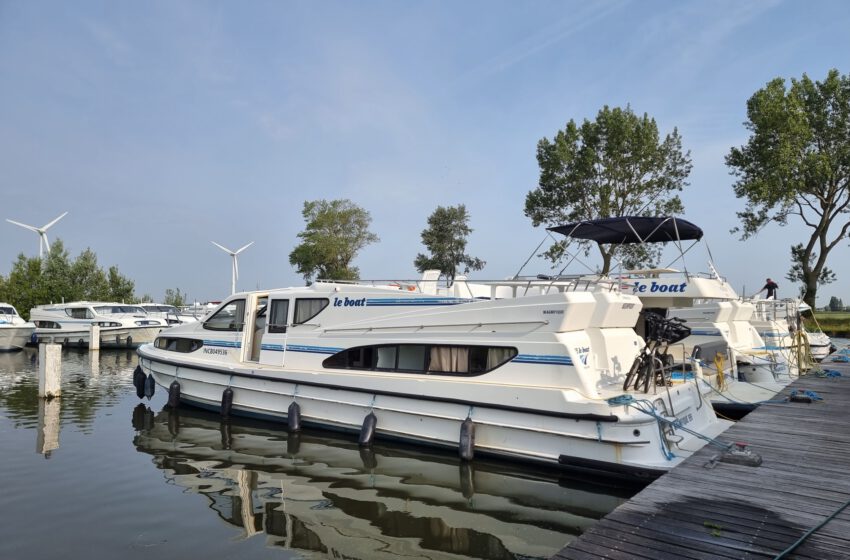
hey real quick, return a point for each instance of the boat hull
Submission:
(13, 338)
(627, 442)
(118, 337)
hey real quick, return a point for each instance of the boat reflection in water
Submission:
(319, 493)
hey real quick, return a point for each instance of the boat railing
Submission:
(492, 289)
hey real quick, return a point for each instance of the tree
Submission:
(796, 167)
(445, 239)
(335, 232)
(174, 297)
(613, 166)
(121, 288)
(87, 278)
(24, 286)
(835, 304)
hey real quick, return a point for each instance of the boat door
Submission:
(273, 347)
(255, 326)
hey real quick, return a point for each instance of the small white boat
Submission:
(15, 333)
(167, 313)
(535, 377)
(121, 325)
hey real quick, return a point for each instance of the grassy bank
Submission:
(833, 323)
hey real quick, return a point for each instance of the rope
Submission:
(677, 424)
(829, 372)
(805, 393)
(620, 400)
(808, 533)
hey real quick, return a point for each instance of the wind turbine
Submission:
(235, 264)
(43, 244)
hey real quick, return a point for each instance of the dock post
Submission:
(94, 337)
(49, 370)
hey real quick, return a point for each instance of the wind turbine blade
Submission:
(245, 247)
(46, 243)
(44, 228)
(235, 267)
(225, 249)
(25, 226)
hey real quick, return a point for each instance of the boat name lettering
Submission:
(553, 311)
(348, 302)
(217, 351)
(685, 420)
(628, 306)
(641, 288)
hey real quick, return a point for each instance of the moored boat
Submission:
(121, 325)
(15, 333)
(536, 377)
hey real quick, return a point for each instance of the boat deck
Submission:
(705, 508)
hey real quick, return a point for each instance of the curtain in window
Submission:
(498, 356)
(306, 309)
(449, 359)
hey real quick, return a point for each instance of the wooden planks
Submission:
(732, 511)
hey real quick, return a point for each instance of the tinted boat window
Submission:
(307, 308)
(231, 317)
(278, 315)
(421, 358)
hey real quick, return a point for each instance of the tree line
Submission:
(795, 167)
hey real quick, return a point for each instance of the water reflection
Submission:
(89, 383)
(323, 495)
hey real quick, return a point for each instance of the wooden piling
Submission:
(94, 338)
(49, 370)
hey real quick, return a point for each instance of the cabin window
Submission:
(411, 357)
(7, 311)
(307, 308)
(422, 358)
(47, 325)
(278, 315)
(79, 313)
(172, 344)
(231, 317)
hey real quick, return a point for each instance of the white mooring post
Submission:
(94, 338)
(49, 370)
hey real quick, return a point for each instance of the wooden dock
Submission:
(705, 508)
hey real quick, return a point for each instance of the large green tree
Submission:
(445, 239)
(335, 232)
(24, 287)
(795, 167)
(616, 165)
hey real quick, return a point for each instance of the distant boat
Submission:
(15, 333)
(168, 313)
(121, 325)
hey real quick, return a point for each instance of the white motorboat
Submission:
(15, 333)
(779, 322)
(168, 313)
(751, 372)
(536, 377)
(319, 492)
(121, 325)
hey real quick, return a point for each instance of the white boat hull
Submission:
(625, 442)
(14, 337)
(119, 337)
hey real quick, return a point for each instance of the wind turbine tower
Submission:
(43, 244)
(235, 263)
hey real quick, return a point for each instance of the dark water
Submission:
(97, 475)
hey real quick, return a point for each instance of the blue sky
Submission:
(161, 126)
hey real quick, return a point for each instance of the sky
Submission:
(162, 126)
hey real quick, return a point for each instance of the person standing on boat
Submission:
(771, 288)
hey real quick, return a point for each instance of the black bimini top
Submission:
(632, 229)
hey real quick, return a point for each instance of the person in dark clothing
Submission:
(771, 287)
